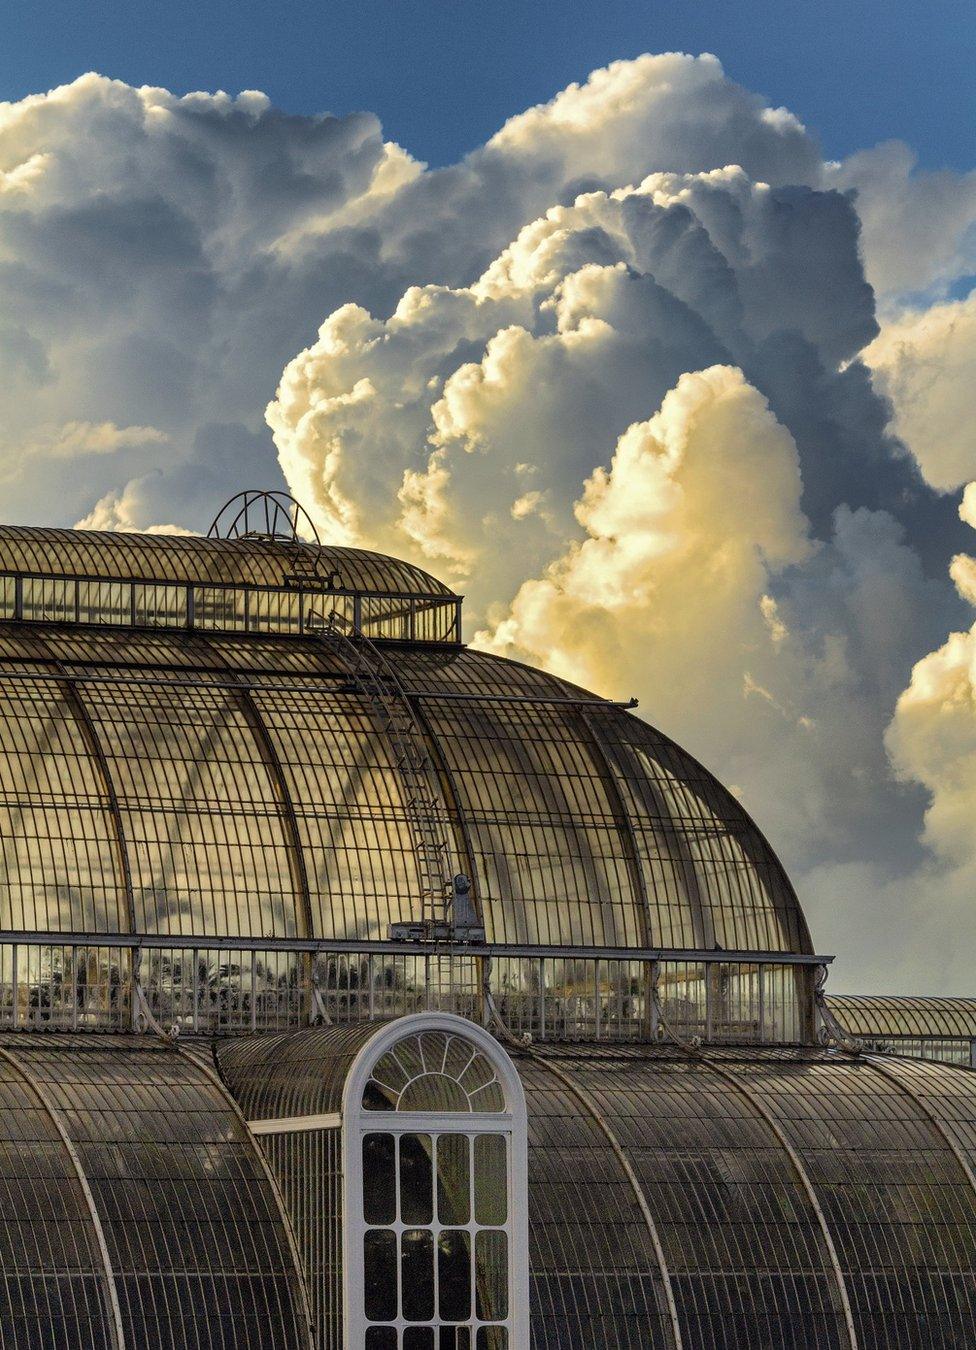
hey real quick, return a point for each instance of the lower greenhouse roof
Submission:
(908, 1015)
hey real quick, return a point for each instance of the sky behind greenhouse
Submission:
(666, 361)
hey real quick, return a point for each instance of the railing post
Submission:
(135, 959)
(652, 975)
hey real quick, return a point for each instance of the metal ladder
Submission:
(374, 677)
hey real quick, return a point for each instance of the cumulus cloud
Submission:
(924, 361)
(670, 558)
(124, 509)
(618, 374)
(932, 742)
(645, 443)
(919, 226)
(162, 258)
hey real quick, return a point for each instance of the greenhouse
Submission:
(921, 1028)
(361, 989)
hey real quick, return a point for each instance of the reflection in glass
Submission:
(380, 1276)
(159, 606)
(416, 1179)
(492, 1338)
(381, 1338)
(418, 1338)
(490, 1179)
(379, 1178)
(50, 600)
(454, 1274)
(491, 1283)
(453, 1179)
(104, 602)
(417, 1274)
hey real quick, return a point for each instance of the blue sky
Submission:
(444, 75)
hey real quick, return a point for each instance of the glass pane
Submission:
(49, 600)
(274, 612)
(104, 602)
(416, 1179)
(379, 1271)
(381, 1338)
(492, 1338)
(454, 1274)
(377, 1097)
(219, 607)
(379, 1178)
(491, 1279)
(159, 606)
(453, 1179)
(454, 1338)
(433, 1092)
(490, 1179)
(418, 1338)
(417, 1274)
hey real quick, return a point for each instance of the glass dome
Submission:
(177, 782)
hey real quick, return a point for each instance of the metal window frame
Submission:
(194, 590)
(356, 1122)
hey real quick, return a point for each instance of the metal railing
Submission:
(240, 987)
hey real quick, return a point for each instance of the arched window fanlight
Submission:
(434, 1071)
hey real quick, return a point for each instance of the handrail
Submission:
(377, 947)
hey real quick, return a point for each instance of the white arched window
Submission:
(435, 1191)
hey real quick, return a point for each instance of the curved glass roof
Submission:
(889, 1015)
(116, 556)
(799, 1198)
(134, 1206)
(169, 782)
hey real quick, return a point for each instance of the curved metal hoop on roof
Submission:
(267, 515)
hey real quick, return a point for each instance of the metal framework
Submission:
(267, 516)
(920, 1028)
(588, 1104)
(115, 1326)
(803, 1175)
(373, 677)
(503, 1119)
(233, 987)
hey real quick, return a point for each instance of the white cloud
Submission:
(919, 226)
(94, 438)
(925, 362)
(124, 509)
(672, 572)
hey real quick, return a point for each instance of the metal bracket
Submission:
(831, 1032)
